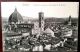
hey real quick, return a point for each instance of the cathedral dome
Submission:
(15, 17)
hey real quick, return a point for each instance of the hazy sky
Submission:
(50, 9)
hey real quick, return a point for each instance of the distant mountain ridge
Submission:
(74, 20)
(53, 19)
(48, 19)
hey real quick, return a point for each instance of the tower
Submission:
(41, 21)
(69, 22)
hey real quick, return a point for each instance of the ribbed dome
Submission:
(15, 17)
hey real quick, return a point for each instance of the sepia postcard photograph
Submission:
(39, 26)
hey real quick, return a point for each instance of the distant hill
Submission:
(75, 20)
(48, 19)
(4, 20)
(54, 19)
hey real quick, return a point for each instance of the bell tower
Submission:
(69, 21)
(41, 21)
